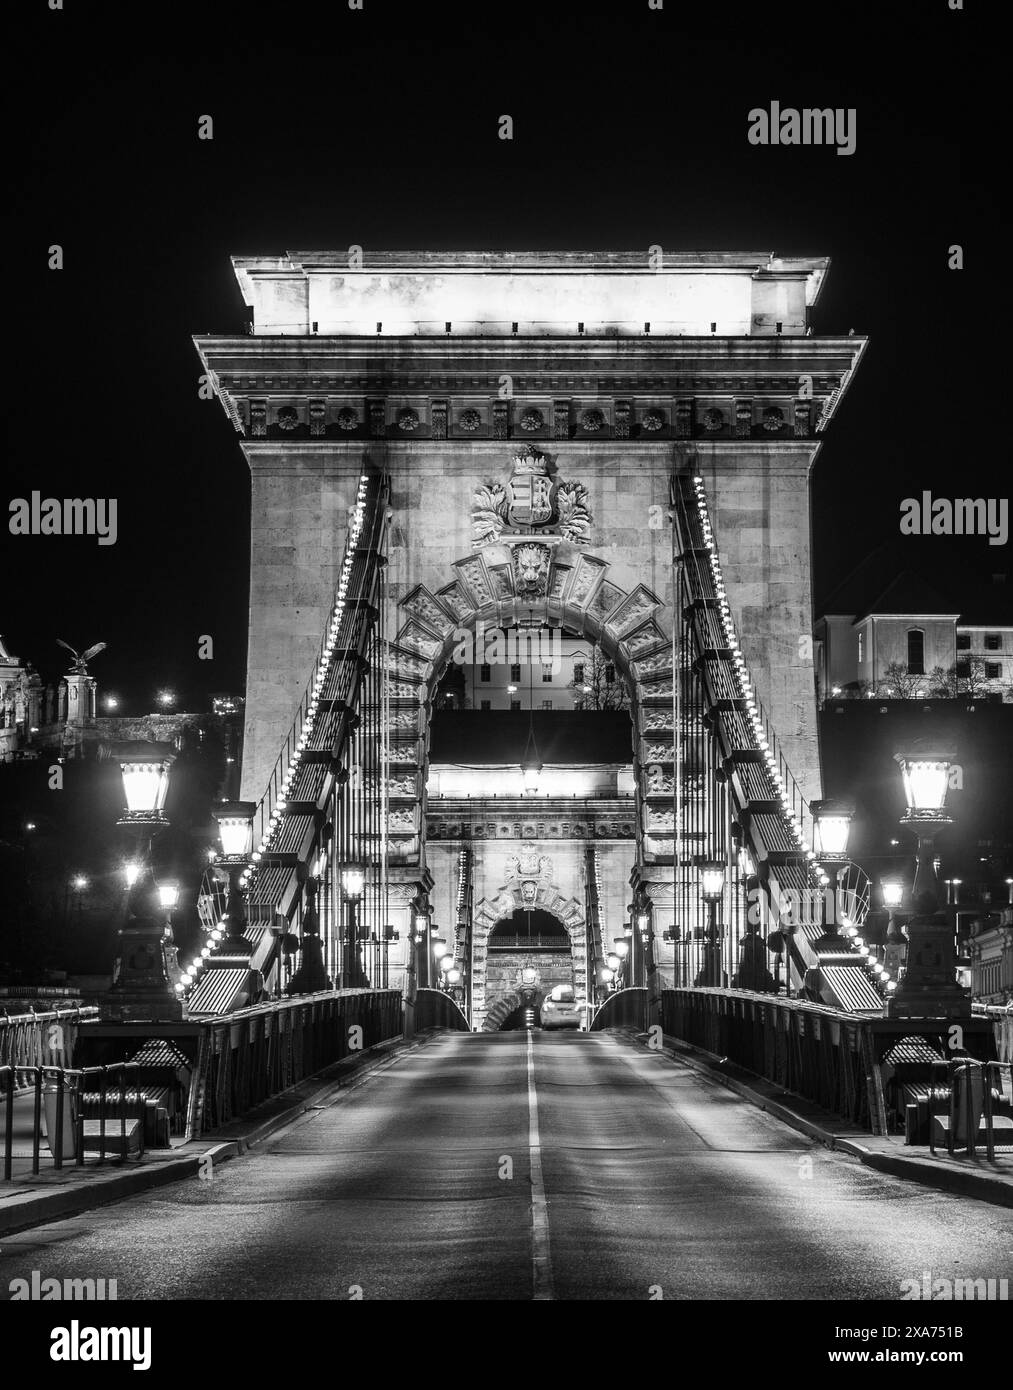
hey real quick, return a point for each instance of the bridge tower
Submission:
(541, 420)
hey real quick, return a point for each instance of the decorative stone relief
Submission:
(473, 573)
(661, 664)
(561, 419)
(773, 418)
(500, 419)
(417, 639)
(408, 419)
(405, 664)
(531, 501)
(633, 610)
(288, 417)
(532, 419)
(425, 607)
(592, 421)
(684, 420)
(438, 416)
(347, 418)
(258, 418)
(318, 417)
(656, 719)
(659, 753)
(713, 419)
(531, 568)
(377, 419)
(469, 420)
(621, 429)
(743, 419)
(653, 421)
(803, 419)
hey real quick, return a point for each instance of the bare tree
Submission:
(600, 685)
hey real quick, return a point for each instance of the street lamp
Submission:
(929, 987)
(831, 830)
(421, 924)
(353, 883)
(896, 941)
(146, 974)
(712, 889)
(235, 831)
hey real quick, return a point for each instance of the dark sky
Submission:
(379, 127)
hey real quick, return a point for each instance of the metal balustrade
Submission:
(89, 1098)
(434, 1008)
(626, 1008)
(822, 1054)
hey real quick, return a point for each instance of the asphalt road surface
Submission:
(527, 1166)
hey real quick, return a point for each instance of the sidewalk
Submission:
(968, 1177)
(56, 1193)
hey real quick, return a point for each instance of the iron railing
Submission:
(256, 1053)
(819, 1053)
(83, 1090)
(968, 1094)
(41, 1039)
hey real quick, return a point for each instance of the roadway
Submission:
(520, 1166)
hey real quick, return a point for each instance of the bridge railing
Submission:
(436, 1009)
(819, 1053)
(52, 1105)
(41, 1039)
(259, 1052)
(626, 1008)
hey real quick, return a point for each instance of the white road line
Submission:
(541, 1260)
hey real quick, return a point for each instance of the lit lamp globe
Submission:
(453, 977)
(607, 976)
(353, 880)
(925, 770)
(612, 961)
(529, 975)
(439, 947)
(532, 772)
(621, 948)
(144, 768)
(168, 894)
(712, 879)
(831, 829)
(421, 924)
(447, 964)
(893, 893)
(235, 829)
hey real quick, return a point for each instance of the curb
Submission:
(920, 1170)
(24, 1211)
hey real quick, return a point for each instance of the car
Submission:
(559, 1008)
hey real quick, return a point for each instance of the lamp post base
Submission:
(144, 977)
(929, 988)
(311, 977)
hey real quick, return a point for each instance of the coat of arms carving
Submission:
(532, 502)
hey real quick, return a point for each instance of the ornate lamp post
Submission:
(712, 889)
(420, 923)
(929, 988)
(235, 830)
(353, 883)
(831, 829)
(311, 976)
(896, 941)
(146, 979)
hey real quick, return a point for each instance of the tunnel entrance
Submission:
(528, 953)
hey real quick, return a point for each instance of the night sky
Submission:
(380, 128)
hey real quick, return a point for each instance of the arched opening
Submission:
(529, 952)
(529, 929)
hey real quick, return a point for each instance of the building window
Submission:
(610, 674)
(485, 673)
(578, 672)
(546, 704)
(486, 704)
(915, 651)
(993, 641)
(963, 669)
(515, 704)
(515, 672)
(546, 672)
(861, 647)
(963, 641)
(993, 670)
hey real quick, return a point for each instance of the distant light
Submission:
(29, 825)
(511, 690)
(168, 894)
(79, 882)
(131, 873)
(895, 842)
(111, 702)
(166, 698)
(836, 690)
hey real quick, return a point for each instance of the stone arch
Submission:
(553, 582)
(507, 1004)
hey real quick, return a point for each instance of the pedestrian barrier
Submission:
(977, 1099)
(74, 1111)
(34, 1039)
